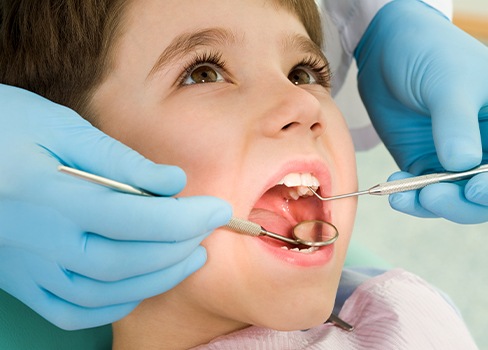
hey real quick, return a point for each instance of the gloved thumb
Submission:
(456, 131)
(76, 143)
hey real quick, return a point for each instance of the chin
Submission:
(301, 316)
(298, 323)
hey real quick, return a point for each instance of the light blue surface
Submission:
(450, 256)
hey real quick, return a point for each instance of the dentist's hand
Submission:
(425, 85)
(77, 253)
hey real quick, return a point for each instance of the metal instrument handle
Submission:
(418, 182)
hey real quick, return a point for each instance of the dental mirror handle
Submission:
(253, 229)
(413, 183)
(235, 224)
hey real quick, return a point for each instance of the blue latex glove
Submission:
(77, 253)
(424, 84)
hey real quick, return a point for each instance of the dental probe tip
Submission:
(338, 196)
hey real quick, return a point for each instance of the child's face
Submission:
(236, 138)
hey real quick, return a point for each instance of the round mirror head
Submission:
(315, 233)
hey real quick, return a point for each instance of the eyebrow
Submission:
(188, 42)
(302, 44)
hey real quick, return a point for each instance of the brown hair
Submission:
(61, 49)
(308, 13)
(58, 48)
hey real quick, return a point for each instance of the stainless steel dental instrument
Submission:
(336, 321)
(413, 183)
(311, 233)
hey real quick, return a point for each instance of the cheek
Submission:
(339, 145)
(260, 294)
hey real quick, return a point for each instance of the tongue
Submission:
(271, 221)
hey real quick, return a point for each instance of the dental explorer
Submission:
(413, 183)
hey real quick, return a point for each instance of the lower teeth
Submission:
(305, 250)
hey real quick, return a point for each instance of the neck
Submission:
(168, 322)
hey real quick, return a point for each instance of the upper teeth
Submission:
(300, 184)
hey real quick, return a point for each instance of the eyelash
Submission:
(212, 58)
(320, 68)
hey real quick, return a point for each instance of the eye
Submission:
(312, 70)
(203, 73)
(202, 68)
(300, 76)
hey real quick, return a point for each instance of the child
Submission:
(237, 94)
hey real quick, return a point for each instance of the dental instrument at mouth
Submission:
(413, 183)
(310, 233)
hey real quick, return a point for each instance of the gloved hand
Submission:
(424, 84)
(79, 254)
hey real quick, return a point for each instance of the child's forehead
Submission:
(305, 11)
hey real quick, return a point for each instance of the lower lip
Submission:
(320, 257)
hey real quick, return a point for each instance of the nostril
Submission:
(316, 127)
(288, 126)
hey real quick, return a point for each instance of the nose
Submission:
(292, 110)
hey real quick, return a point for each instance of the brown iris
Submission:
(299, 77)
(204, 74)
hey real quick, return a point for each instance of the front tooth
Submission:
(296, 179)
(292, 180)
(315, 182)
(306, 179)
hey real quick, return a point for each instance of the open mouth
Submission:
(289, 202)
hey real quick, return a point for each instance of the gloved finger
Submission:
(455, 128)
(68, 316)
(447, 200)
(109, 261)
(90, 293)
(91, 150)
(122, 216)
(426, 164)
(483, 119)
(476, 189)
(73, 141)
(19, 279)
(407, 202)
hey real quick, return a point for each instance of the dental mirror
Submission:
(315, 233)
(312, 233)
